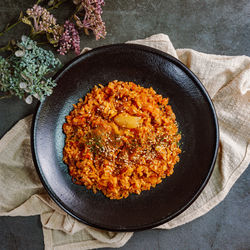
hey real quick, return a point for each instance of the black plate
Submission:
(195, 115)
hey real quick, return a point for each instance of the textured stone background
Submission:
(217, 27)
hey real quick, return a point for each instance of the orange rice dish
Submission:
(121, 139)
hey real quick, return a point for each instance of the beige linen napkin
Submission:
(227, 80)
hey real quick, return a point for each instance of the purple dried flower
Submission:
(70, 39)
(92, 19)
(44, 22)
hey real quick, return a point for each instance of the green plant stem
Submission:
(10, 27)
(5, 96)
(41, 43)
(4, 48)
(57, 5)
(20, 20)
(33, 35)
(8, 47)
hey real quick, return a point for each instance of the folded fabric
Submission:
(227, 80)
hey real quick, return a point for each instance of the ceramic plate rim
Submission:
(198, 84)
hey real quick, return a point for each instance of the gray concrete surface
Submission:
(217, 27)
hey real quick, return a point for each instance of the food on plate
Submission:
(121, 139)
